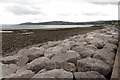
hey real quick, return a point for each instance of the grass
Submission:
(12, 42)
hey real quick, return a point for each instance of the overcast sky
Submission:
(19, 11)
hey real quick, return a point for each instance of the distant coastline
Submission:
(72, 23)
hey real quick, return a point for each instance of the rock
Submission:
(8, 69)
(51, 44)
(52, 51)
(22, 60)
(90, 64)
(77, 44)
(108, 38)
(74, 38)
(45, 63)
(22, 74)
(88, 53)
(21, 69)
(18, 60)
(110, 47)
(112, 41)
(65, 46)
(38, 64)
(70, 56)
(42, 71)
(54, 74)
(22, 51)
(89, 36)
(10, 60)
(60, 65)
(98, 42)
(78, 49)
(39, 52)
(84, 51)
(81, 38)
(99, 35)
(105, 56)
(32, 53)
(69, 67)
(91, 46)
(89, 75)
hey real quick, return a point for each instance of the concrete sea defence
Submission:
(86, 56)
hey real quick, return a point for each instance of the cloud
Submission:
(105, 3)
(95, 14)
(19, 11)
(22, 10)
(68, 14)
(102, 2)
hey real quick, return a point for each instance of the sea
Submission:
(18, 27)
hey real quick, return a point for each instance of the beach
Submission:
(87, 55)
(14, 40)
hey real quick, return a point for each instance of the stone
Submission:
(65, 46)
(52, 51)
(60, 65)
(10, 60)
(22, 51)
(32, 53)
(51, 44)
(70, 56)
(92, 47)
(73, 38)
(79, 48)
(20, 60)
(38, 64)
(69, 67)
(39, 52)
(37, 74)
(27, 74)
(54, 74)
(42, 71)
(113, 41)
(105, 56)
(110, 47)
(89, 36)
(8, 69)
(90, 64)
(89, 75)
(98, 42)
(88, 53)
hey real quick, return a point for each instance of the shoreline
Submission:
(85, 55)
(19, 39)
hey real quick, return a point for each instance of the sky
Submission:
(20, 11)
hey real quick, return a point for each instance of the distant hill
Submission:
(72, 23)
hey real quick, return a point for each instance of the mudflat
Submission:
(18, 39)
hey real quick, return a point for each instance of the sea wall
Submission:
(89, 55)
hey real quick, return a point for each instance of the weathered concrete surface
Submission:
(116, 67)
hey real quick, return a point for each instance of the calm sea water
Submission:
(14, 27)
